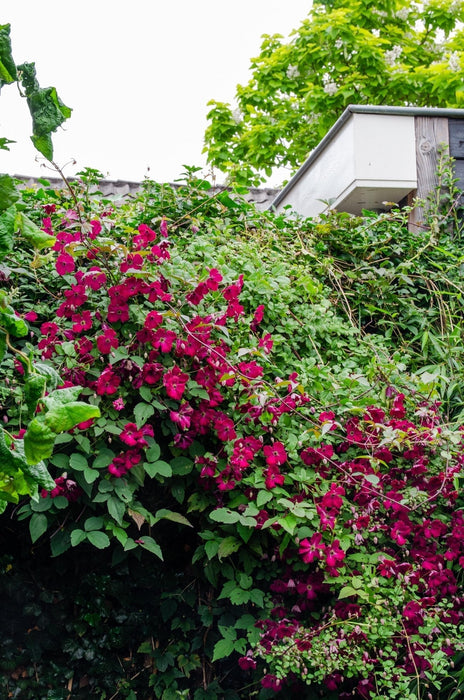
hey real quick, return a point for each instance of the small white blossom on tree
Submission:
(392, 56)
(293, 72)
(454, 62)
(393, 52)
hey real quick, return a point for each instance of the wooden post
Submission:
(431, 135)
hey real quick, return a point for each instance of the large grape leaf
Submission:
(13, 325)
(36, 473)
(61, 413)
(8, 72)
(47, 110)
(10, 460)
(32, 233)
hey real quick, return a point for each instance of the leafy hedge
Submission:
(268, 498)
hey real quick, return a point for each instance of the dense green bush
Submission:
(269, 502)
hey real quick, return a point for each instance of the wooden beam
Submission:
(431, 136)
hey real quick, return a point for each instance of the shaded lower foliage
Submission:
(84, 626)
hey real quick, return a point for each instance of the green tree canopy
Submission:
(345, 52)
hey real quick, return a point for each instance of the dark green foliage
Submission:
(8, 72)
(47, 110)
(155, 583)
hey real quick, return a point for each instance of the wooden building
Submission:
(374, 156)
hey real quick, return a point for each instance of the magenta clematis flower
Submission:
(214, 279)
(117, 312)
(272, 682)
(82, 322)
(107, 341)
(224, 427)
(153, 320)
(175, 381)
(65, 264)
(312, 549)
(275, 454)
(108, 382)
(135, 437)
(334, 554)
(258, 317)
(247, 662)
(95, 230)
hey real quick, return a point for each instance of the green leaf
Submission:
(52, 376)
(37, 525)
(150, 544)
(289, 523)
(63, 439)
(257, 597)
(153, 453)
(211, 548)
(245, 581)
(245, 532)
(198, 501)
(90, 475)
(12, 461)
(7, 231)
(142, 412)
(32, 233)
(239, 596)
(346, 592)
(181, 465)
(224, 515)
(47, 110)
(9, 459)
(228, 546)
(60, 542)
(34, 389)
(223, 648)
(40, 475)
(116, 508)
(262, 498)
(245, 622)
(4, 143)
(60, 502)
(60, 417)
(78, 462)
(173, 516)
(84, 443)
(120, 534)
(99, 539)
(105, 486)
(9, 193)
(93, 523)
(13, 324)
(145, 393)
(104, 457)
(162, 468)
(8, 73)
(60, 397)
(77, 536)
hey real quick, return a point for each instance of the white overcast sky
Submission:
(138, 75)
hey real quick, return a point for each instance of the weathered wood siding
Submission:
(432, 136)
